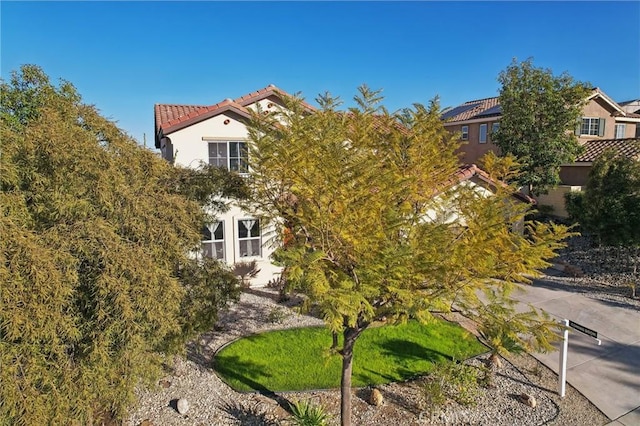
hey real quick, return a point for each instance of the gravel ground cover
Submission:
(211, 402)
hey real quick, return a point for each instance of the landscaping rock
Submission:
(528, 400)
(182, 406)
(376, 398)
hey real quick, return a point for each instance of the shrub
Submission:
(277, 315)
(452, 381)
(304, 413)
(574, 204)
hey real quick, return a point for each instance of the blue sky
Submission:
(126, 56)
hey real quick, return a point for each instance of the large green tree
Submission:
(373, 228)
(97, 281)
(539, 116)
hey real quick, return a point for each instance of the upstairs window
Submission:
(494, 129)
(230, 155)
(213, 240)
(465, 133)
(482, 137)
(620, 131)
(592, 126)
(249, 237)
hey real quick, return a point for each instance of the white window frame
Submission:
(465, 133)
(620, 128)
(248, 239)
(590, 126)
(215, 242)
(238, 163)
(482, 134)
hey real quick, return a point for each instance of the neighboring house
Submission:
(475, 121)
(602, 120)
(577, 173)
(188, 135)
(631, 106)
(574, 176)
(472, 176)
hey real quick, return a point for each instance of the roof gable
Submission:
(597, 93)
(170, 118)
(471, 172)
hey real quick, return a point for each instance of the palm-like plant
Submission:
(305, 413)
(506, 331)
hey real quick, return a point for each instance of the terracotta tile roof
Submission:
(479, 108)
(165, 113)
(629, 147)
(170, 118)
(270, 90)
(469, 171)
(175, 117)
(258, 95)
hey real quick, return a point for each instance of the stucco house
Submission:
(603, 123)
(188, 135)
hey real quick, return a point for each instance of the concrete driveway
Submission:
(609, 374)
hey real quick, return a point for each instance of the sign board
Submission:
(583, 329)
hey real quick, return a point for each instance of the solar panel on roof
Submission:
(458, 110)
(494, 110)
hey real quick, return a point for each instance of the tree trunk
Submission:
(334, 335)
(350, 336)
(495, 361)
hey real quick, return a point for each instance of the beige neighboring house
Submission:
(188, 135)
(603, 120)
(631, 106)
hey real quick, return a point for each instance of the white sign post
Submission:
(562, 374)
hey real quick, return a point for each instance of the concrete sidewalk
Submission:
(609, 374)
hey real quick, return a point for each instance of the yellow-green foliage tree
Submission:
(374, 230)
(97, 284)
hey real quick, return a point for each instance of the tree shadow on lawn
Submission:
(245, 372)
(399, 353)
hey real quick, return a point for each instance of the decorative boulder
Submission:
(182, 406)
(376, 398)
(528, 400)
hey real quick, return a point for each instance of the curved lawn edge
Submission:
(294, 359)
(230, 342)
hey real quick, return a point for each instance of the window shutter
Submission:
(578, 127)
(601, 122)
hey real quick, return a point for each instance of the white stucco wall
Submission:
(190, 147)
(444, 210)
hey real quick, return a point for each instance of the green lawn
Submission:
(297, 359)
